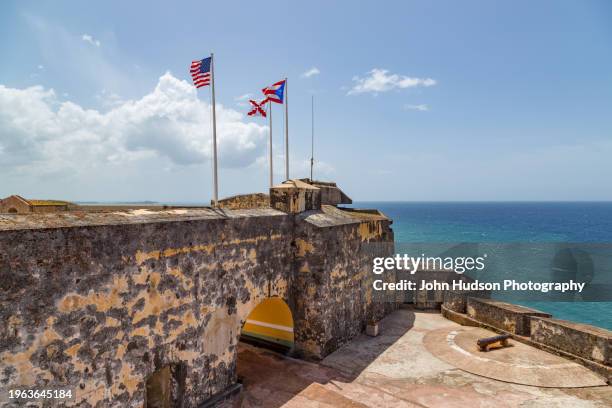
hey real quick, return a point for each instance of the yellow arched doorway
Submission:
(271, 322)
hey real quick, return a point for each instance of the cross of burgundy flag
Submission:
(257, 109)
(274, 93)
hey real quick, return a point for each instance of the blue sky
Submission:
(415, 100)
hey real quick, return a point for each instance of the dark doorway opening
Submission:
(165, 387)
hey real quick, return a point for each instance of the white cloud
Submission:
(109, 99)
(41, 67)
(242, 100)
(89, 39)
(39, 134)
(421, 108)
(311, 72)
(244, 97)
(380, 80)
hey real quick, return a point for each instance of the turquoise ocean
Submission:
(530, 240)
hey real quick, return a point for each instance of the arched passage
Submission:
(270, 324)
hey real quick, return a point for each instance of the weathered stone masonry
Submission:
(96, 302)
(333, 264)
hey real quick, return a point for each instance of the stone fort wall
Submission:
(98, 302)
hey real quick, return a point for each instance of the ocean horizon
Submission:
(532, 227)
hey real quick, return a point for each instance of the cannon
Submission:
(488, 343)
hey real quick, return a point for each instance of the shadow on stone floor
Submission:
(272, 380)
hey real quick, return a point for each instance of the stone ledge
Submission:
(583, 340)
(456, 300)
(245, 201)
(76, 219)
(506, 316)
(458, 317)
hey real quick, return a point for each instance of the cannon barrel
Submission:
(498, 341)
(489, 340)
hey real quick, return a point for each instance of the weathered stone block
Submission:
(372, 330)
(334, 251)
(505, 316)
(243, 201)
(457, 317)
(430, 299)
(456, 300)
(295, 196)
(582, 340)
(330, 193)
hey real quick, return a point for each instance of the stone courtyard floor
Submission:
(414, 363)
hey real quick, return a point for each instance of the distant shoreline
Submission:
(355, 203)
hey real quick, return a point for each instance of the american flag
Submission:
(274, 93)
(200, 72)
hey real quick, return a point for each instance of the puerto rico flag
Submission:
(274, 93)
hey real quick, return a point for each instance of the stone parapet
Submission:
(243, 201)
(505, 316)
(582, 340)
(456, 300)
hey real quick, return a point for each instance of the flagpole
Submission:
(286, 131)
(214, 121)
(270, 147)
(312, 138)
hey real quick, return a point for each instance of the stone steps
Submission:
(367, 396)
(318, 395)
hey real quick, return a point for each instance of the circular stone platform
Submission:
(518, 363)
